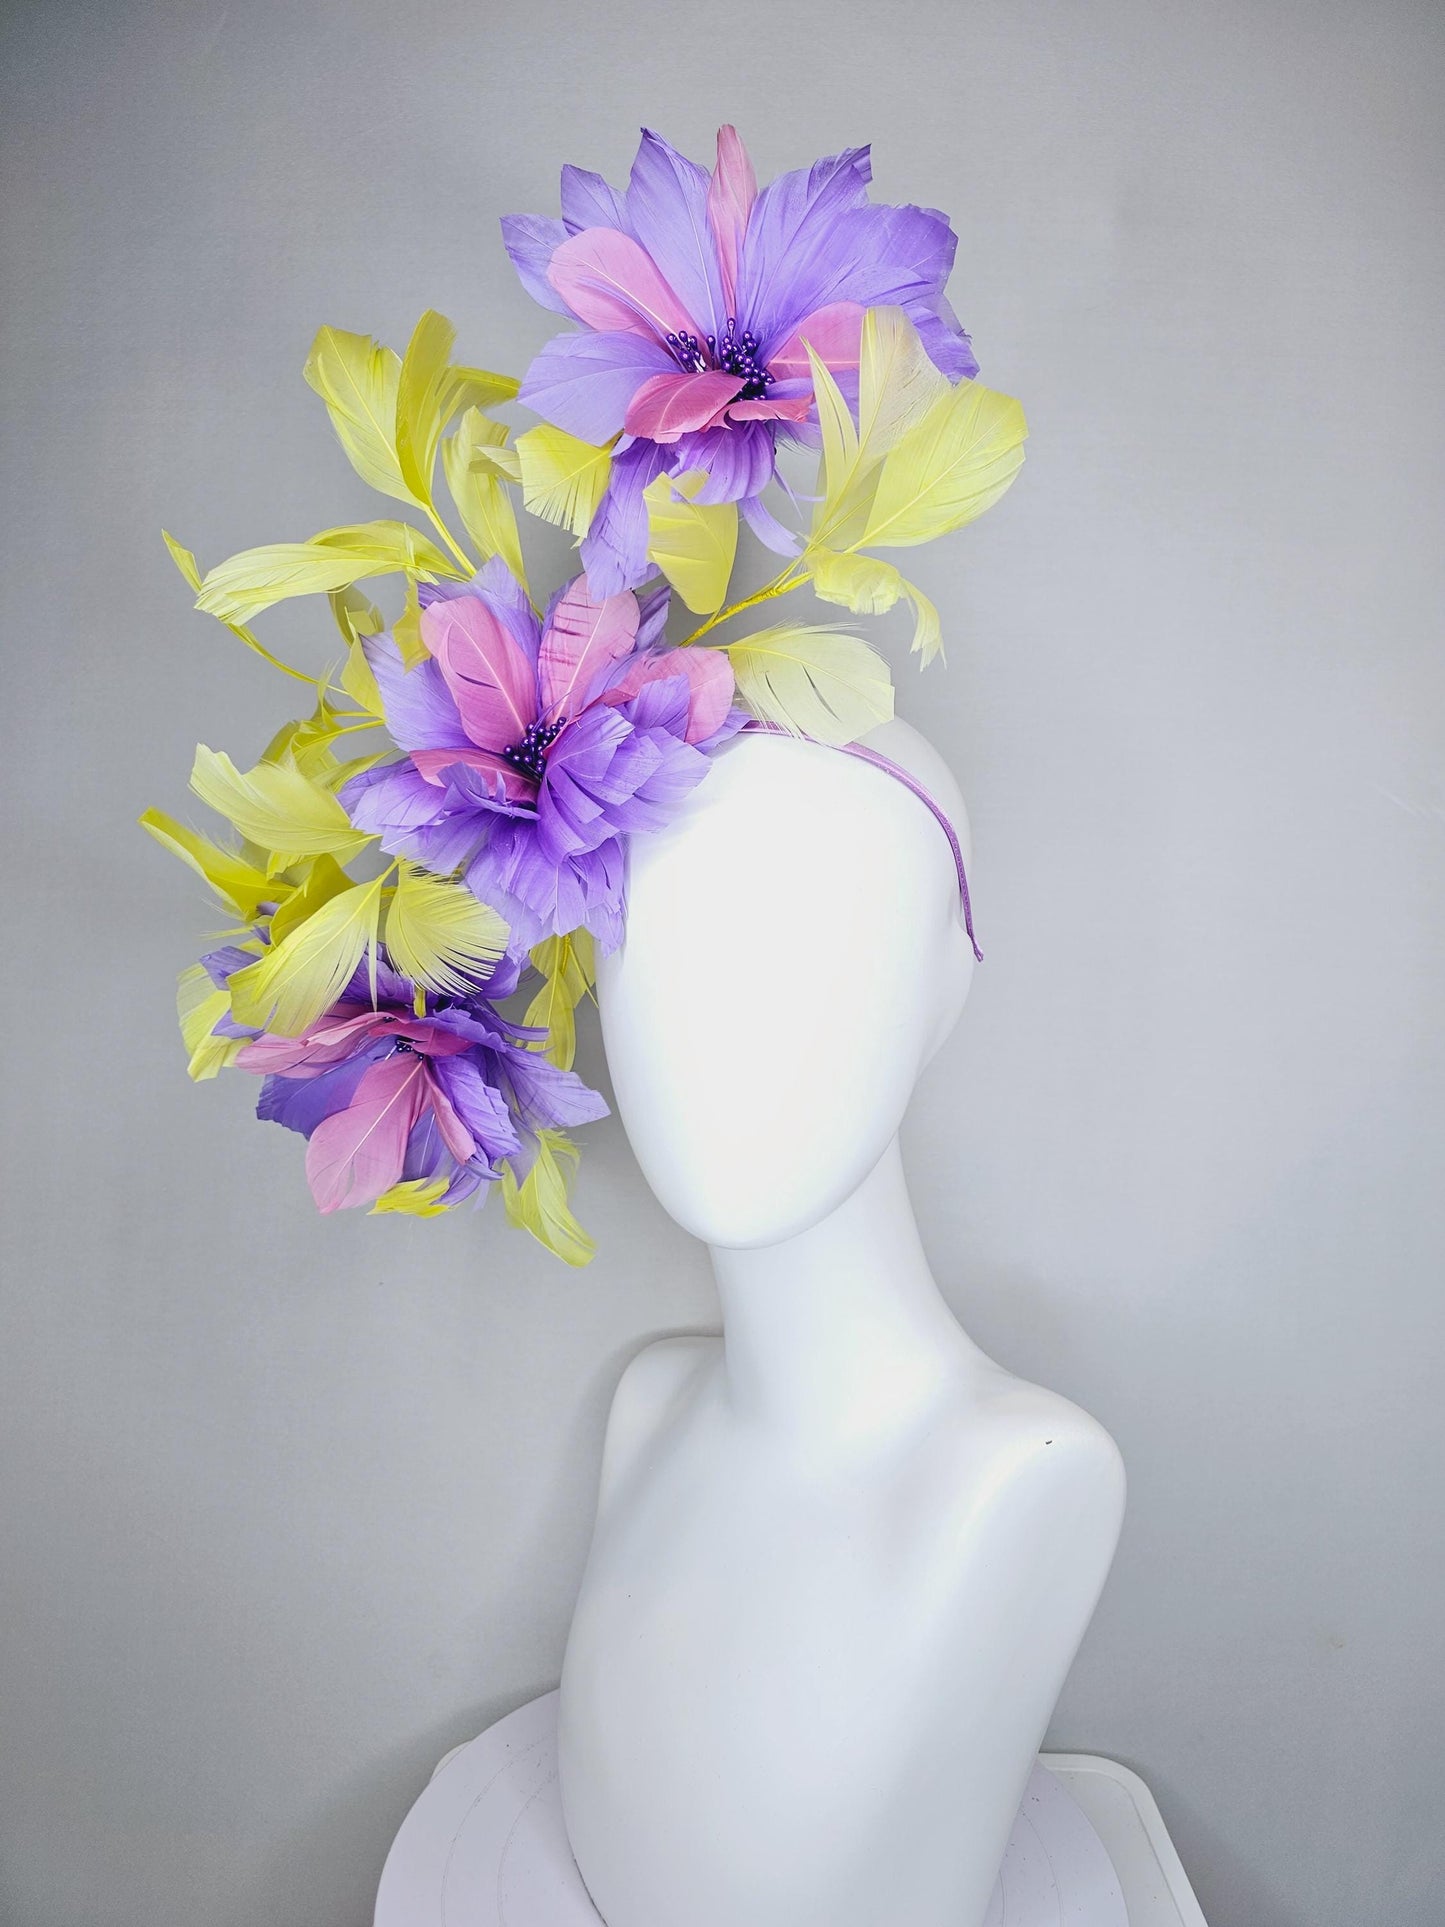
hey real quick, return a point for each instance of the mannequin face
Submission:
(794, 954)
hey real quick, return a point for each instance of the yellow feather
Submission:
(423, 392)
(948, 468)
(480, 388)
(246, 584)
(813, 681)
(357, 379)
(563, 479)
(275, 807)
(301, 977)
(539, 1203)
(476, 474)
(199, 1008)
(693, 544)
(863, 583)
(324, 880)
(439, 934)
(239, 884)
(568, 969)
(927, 641)
(897, 383)
(186, 563)
(414, 1197)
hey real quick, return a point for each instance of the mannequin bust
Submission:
(842, 1560)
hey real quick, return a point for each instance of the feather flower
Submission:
(532, 748)
(410, 1102)
(699, 297)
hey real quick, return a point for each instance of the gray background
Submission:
(292, 1505)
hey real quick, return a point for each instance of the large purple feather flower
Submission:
(532, 748)
(697, 294)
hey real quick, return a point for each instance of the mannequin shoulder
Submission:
(656, 1384)
(1030, 1440)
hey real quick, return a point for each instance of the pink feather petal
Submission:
(455, 1135)
(835, 333)
(492, 682)
(325, 1043)
(730, 199)
(610, 282)
(432, 764)
(667, 407)
(769, 408)
(358, 1153)
(584, 635)
(710, 685)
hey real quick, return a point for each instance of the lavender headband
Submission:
(911, 783)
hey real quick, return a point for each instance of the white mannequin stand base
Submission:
(485, 1845)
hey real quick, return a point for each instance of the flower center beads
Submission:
(530, 755)
(733, 354)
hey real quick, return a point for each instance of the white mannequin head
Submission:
(794, 955)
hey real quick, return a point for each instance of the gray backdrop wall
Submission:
(292, 1505)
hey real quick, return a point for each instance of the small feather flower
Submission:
(394, 1103)
(533, 748)
(697, 294)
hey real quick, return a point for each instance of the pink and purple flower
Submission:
(696, 294)
(533, 747)
(385, 1096)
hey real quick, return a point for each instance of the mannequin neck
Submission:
(841, 1330)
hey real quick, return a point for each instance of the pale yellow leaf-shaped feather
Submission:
(245, 584)
(356, 614)
(927, 630)
(324, 880)
(947, 469)
(470, 458)
(357, 379)
(440, 935)
(840, 446)
(693, 544)
(897, 383)
(200, 1006)
(480, 388)
(275, 807)
(414, 1198)
(358, 681)
(299, 979)
(568, 968)
(863, 583)
(239, 884)
(423, 395)
(406, 630)
(539, 1203)
(813, 681)
(563, 479)
(186, 563)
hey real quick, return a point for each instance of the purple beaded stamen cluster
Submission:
(530, 755)
(734, 354)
